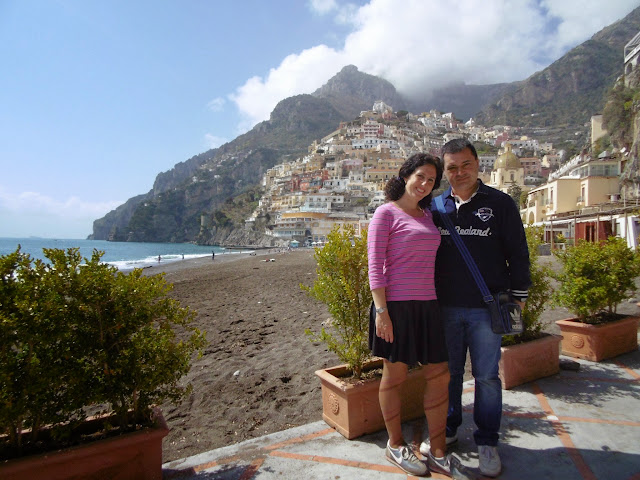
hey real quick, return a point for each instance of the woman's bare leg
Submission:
(393, 376)
(436, 403)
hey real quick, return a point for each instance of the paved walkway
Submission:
(581, 424)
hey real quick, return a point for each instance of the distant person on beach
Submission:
(213, 256)
(405, 328)
(496, 240)
(159, 258)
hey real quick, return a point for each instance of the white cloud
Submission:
(323, 6)
(213, 141)
(343, 13)
(32, 213)
(298, 73)
(33, 202)
(577, 23)
(419, 45)
(216, 104)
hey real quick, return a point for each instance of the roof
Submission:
(507, 160)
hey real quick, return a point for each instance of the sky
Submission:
(98, 97)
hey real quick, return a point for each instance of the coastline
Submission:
(224, 257)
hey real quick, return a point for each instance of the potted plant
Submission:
(79, 338)
(595, 278)
(531, 354)
(350, 402)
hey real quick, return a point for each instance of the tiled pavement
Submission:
(581, 424)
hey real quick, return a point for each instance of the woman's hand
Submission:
(384, 327)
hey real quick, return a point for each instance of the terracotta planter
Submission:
(598, 342)
(529, 361)
(354, 409)
(136, 455)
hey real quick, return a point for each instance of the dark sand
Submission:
(257, 374)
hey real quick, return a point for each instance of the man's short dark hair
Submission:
(457, 145)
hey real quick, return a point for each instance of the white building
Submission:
(631, 55)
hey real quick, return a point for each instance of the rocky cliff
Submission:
(238, 236)
(351, 92)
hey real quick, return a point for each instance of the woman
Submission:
(405, 327)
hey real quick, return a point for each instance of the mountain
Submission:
(466, 100)
(571, 89)
(351, 92)
(567, 92)
(171, 210)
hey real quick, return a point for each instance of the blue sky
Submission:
(98, 97)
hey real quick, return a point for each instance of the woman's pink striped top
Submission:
(402, 253)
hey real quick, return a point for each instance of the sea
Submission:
(123, 255)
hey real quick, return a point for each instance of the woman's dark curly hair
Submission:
(395, 187)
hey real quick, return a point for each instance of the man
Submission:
(489, 223)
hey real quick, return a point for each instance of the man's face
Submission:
(461, 170)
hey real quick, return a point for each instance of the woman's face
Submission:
(420, 183)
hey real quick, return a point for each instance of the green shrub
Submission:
(596, 277)
(78, 333)
(539, 291)
(343, 285)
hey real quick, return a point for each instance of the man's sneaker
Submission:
(404, 458)
(490, 465)
(449, 465)
(425, 447)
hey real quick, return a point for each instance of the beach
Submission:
(257, 373)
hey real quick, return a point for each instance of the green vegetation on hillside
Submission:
(618, 114)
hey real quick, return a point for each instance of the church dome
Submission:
(507, 160)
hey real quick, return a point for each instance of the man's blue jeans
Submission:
(470, 328)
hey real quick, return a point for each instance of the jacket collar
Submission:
(482, 188)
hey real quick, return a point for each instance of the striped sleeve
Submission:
(377, 241)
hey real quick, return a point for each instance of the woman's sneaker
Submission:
(448, 465)
(425, 447)
(490, 464)
(404, 458)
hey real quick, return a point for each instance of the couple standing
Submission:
(427, 308)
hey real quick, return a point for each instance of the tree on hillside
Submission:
(602, 144)
(485, 149)
(523, 199)
(514, 191)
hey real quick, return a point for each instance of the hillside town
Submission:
(341, 180)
